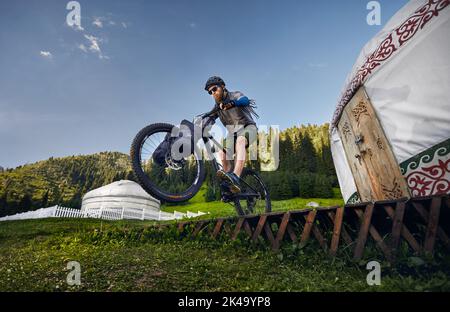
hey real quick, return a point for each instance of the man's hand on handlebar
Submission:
(226, 105)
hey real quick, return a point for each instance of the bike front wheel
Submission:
(168, 180)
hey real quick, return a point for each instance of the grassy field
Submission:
(134, 256)
(220, 209)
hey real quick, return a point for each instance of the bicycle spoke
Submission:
(154, 145)
(172, 176)
(143, 149)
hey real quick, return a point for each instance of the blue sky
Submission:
(67, 91)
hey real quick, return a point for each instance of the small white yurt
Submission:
(125, 197)
(390, 133)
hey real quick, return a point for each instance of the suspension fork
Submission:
(211, 146)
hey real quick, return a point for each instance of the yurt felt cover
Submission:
(405, 70)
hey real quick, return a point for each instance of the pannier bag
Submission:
(183, 137)
(159, 155)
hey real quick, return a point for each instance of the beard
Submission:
(221, 98)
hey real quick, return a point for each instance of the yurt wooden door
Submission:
(375, 170)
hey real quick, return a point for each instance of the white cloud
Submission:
(46, 54)
(124, 25)
(82, 47)
(103, 21)
(95, 46)
(193, 25)
(98, 22)
(94, 43)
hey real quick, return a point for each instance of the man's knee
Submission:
(224, 158)
(241, 141)
(221, 155)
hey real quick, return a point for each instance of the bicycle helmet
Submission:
(214, 80)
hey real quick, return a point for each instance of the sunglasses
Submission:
(213, 90)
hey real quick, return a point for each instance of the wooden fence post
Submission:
(433, 223)
(363, 231)
(338, 217)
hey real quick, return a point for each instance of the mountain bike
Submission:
(177, 179)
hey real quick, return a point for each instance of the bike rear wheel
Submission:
(172, 181)
(254, 197)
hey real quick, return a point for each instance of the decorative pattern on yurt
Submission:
(401, 84)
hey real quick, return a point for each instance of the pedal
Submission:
(225, 178)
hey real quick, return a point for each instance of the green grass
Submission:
(220, 209)
(134, 256)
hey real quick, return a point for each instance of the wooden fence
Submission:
(419, 222)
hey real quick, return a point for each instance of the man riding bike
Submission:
(235, 113)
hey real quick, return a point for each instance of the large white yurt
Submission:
(124, 196)
(390, 133)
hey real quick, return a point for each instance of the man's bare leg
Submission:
(226, 164)
(240, 155)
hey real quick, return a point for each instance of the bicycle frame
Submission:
(211, 145)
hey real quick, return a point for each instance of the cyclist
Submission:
(235, 113)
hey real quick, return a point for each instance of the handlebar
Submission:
(210, 113)
(206, 119)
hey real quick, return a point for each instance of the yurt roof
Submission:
(122, 188)
(402, 29)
